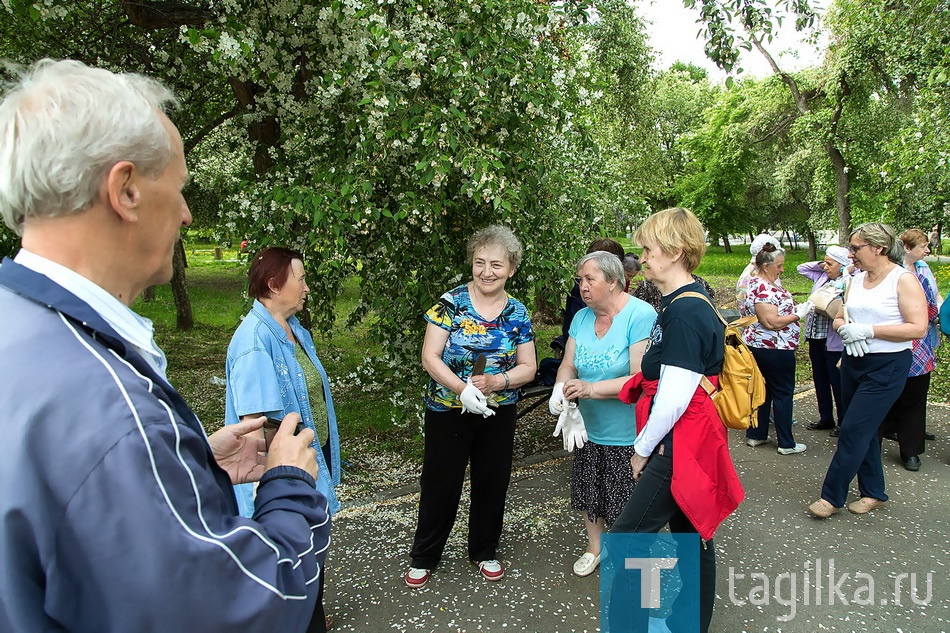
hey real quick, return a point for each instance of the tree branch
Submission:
(203, 132)
(161, 14)
(789, 81)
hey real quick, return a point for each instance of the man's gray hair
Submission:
(608, 263)
(64, 125)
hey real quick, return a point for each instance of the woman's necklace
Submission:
(875, 278)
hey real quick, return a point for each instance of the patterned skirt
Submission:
(601, 480)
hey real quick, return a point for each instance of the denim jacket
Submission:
(263, 376)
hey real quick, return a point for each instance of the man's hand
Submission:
(287, 449)
(238, 449)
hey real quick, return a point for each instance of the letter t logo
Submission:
(649, 578)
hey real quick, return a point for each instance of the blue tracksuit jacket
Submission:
(114, 515)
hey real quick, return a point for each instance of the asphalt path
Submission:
(779, 569)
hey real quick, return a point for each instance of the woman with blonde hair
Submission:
(685, 476)
(885, 309)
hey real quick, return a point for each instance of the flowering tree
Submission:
(131, 37)
(376, 136)
(388, 132)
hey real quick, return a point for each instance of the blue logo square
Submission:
(649, 583)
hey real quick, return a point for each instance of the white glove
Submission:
(851, 332)
(804, 309)
(857, 349)
(557, 403)
(473, 401)
(570, 425)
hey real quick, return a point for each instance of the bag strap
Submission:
(738, 323)
(703, 382)
(844, 301)
(698, 295)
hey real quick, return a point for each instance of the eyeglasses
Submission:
(854, 248)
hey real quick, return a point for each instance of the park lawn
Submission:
(375, 449)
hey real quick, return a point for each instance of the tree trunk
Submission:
(842, 181)
(726, 246)
(148, 294)
(842, 189)
(185, 319)
(812, 246)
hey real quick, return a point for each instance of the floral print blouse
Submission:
(756, 335)
(470, 335)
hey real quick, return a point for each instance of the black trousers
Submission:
(318, 621)
(453, 440)
(827, 378)
(778, 369)
(908, 416)
(650, 508)
(870, 385)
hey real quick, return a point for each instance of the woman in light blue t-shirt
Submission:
(607, 340)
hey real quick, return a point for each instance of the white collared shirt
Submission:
(136, 330)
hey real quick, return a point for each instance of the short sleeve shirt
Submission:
(756, 335)
(470, 335)
(609, 422)
(687, 334)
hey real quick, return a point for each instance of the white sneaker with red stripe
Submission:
(491, 569)
(417, 578)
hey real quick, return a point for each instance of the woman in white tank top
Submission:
(885, 309)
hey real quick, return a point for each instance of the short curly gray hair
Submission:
(495, 235)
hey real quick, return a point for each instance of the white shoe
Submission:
(417, 577)
(491, 569)
(586, 564)
(798, 448)
(754, 443)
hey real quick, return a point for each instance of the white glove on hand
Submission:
(570, 425)
(804, 309)
(857, 349)
(557, 403)
(473, 401)
(851, 332)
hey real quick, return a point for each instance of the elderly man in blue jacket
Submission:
(116, 510)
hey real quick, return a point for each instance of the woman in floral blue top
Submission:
(470, 416)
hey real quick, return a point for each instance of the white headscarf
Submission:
(761, 240)
(840, 254)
